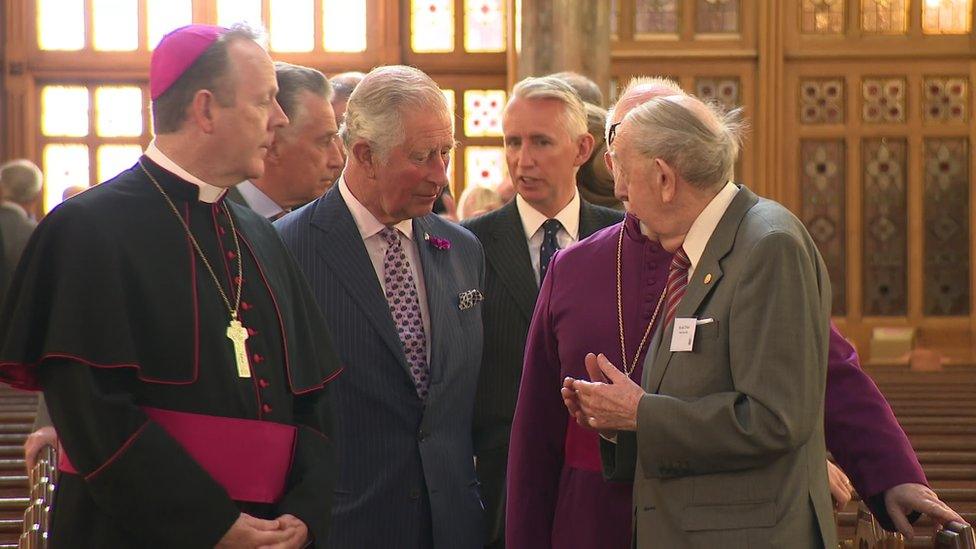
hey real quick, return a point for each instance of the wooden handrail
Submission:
(37, 517)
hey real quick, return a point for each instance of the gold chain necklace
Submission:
(235, 330)
(620, 309)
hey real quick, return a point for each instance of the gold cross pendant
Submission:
(237, 333)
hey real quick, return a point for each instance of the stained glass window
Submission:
(63, 166)
(64, 111)
(344, 25)
(432, 26)
(885, 226)
(822, 101)
(883, 100)
(822, 17)
(115, 25)
(163, 16)
(113, 159)
(118, 111)
(717, 16)
(292, 26)
(235, 11)
(884, 16)
(724, 91)
(946, 16)
(947, 227)
(945, 99)
(483, 112)
(656, 16)
(822, 169)
(484, 166)
(61, 24)
(484, 25)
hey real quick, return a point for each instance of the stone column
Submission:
(564, 35)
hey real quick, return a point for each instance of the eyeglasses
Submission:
(611, 133)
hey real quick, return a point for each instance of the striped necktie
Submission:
(677, 283)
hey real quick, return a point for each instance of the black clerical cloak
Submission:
(112, 313)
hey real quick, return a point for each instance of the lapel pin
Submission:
(708, 278)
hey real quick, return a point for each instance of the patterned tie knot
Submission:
(390, 236)
(680, 261)
(552, 226)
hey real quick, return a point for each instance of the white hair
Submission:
(551, 87)
(643, 83)
(376, 107)
(20, 181)
(701, 146)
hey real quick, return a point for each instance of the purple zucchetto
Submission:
(176, 52)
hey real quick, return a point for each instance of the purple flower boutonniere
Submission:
(437, 242)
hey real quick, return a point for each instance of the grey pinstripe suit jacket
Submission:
(406, 473)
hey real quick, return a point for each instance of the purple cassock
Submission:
(557, 496)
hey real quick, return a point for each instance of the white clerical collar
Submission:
(703, 227)
(208, 193)
(532, 219)
(259, 202)
(366, 222)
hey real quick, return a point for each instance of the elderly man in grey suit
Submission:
(20, 187)
(726, 431)
(401, 290)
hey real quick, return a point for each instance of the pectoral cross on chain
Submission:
(237, 333)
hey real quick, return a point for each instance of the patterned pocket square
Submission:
(469, 299)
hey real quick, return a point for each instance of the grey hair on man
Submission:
(699, 140)
(20, 181)
(344, 83)
(293, 80)
(632, 93)
(208, 72)
(551, 87)
(376, 106)
(587, 89)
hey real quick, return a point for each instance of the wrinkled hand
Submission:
(841, 490)
(903, 499)
(298, 533)
(249, 532)
(609, 403)
(36, 441)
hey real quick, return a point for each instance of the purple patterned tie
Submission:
(401, 294)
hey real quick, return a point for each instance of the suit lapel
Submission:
(719, 245)
(508, 254)
(589, 223)
(341, 247)
(438, 280)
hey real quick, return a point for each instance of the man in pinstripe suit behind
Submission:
(401, 290)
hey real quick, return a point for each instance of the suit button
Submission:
(422, 435)
(263, 383)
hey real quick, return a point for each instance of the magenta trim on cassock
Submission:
(250, 459)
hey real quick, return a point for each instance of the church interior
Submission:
(861, 119)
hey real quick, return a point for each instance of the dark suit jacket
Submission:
(406, 473)
(510, 297)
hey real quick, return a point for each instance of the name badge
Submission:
(683, 337)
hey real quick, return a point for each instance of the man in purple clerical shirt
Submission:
(557, 496)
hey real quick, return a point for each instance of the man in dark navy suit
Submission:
(401, 290)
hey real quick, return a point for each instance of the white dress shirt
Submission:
(259, 202)
(208, 193)
(532, 221)
(703, 227)
(369, 229)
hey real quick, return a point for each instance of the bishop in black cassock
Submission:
(116, 316)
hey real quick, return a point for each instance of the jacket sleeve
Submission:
(135, 471)
(536, 450)
(313, 472)
(862, 433)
